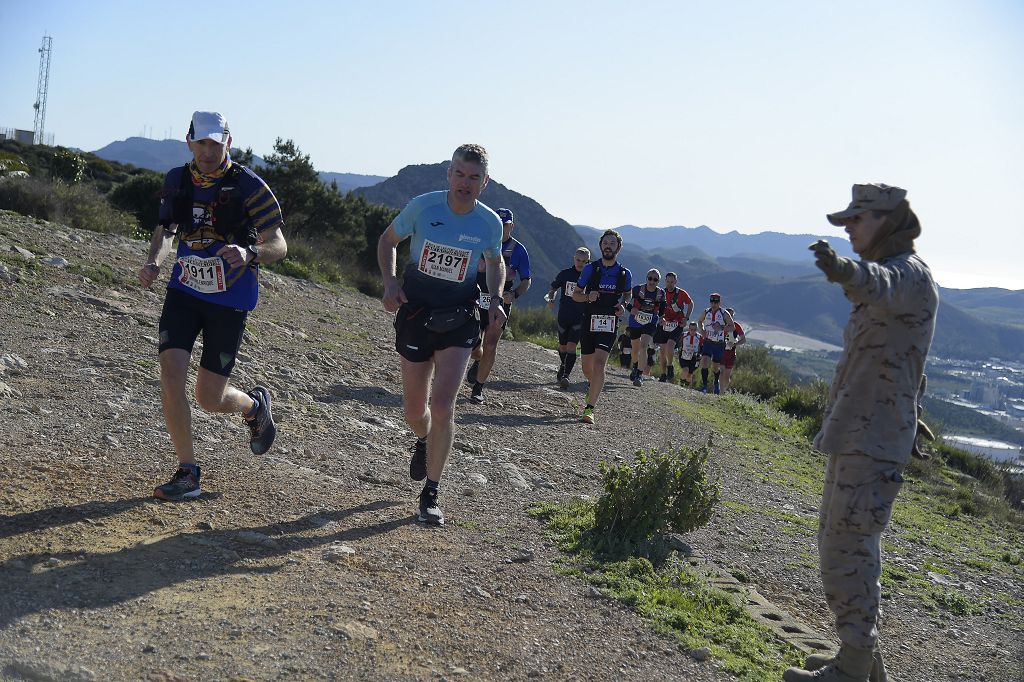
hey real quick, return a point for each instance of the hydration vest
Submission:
(595, 278)
(228, 214)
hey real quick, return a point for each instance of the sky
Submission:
(746, 116)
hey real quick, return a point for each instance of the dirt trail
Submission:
(306, 563)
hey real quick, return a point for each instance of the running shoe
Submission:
(588, 415)
(663, 378)
(704, 388)
(563, 382)
(718, 388)
(638, 380)
(471, 374)
(184, 485)
(477, 396)
(430, 510)
(262, 429)
(418, 463)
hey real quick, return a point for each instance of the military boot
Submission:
(849, 665)
(816, 661)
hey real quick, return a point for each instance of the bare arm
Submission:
(159, 247)
(393, 296)
(273, 247)
(495, 281)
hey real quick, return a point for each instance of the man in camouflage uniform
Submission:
(871, 421)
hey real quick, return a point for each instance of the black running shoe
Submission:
(262, 429)
(477, 396)
(418, 463)
(663, 378)
(471, 374)
(563, 382)
(430, 511)
(184, 485)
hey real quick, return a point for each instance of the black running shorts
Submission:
(661, 336)
(713, 349)
(184, 316)
(636, 332)
(690, 364)
(416, 343)
(569, 333)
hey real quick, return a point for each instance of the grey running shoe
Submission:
(184, 485)
(262, 429)
(477, 396)
(430, 511)
(418, 463)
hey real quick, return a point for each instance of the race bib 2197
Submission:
(444, 262)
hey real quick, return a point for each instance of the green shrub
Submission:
(534, 324)
(139, 196)
(11, 162)
(67, 166)
(659, 492)
(29, 197)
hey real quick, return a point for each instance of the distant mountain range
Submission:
(163, 155)
(769, 277)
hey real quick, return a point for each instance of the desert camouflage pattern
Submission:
(872, 407)
(855, 508)
(868, 432)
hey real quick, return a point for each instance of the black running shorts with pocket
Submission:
(185, 316)
(662, 336)
(416, 343)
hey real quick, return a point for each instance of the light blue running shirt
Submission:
(444, 249)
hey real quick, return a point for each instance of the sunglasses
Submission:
(716, 300)
(653, 279)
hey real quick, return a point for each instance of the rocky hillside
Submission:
(307, 564)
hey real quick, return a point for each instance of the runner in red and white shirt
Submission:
(737, 338)
(689, 354)
(678, 306)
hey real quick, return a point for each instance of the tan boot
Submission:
(815, 661)
(849, 665)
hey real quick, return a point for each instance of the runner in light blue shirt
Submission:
(436, 324)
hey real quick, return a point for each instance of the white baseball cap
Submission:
(209, 125)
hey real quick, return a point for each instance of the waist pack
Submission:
(444, 320)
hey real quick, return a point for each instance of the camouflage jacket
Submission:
(872, 406)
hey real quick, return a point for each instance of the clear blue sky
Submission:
(744, 116)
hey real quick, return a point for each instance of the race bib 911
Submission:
(444, 262)
(205, 275)
(602, 323)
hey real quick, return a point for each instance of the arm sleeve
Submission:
(405, 221)
(584, 279)
(522, 262)
(262, 206)
(889, 285)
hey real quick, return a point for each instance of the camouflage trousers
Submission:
(855, 508)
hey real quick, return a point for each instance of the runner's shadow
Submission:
(40, 519)
(373, 395)
(95, 580)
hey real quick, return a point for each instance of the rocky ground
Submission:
(307, 563)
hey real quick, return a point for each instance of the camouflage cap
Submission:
(873, 197)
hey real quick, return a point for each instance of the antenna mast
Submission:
(42, 88)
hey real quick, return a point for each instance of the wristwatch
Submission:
(254, 250)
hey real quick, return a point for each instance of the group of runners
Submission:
(451, 304)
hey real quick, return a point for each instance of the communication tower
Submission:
(42, 88)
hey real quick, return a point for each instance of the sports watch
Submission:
(254, 250)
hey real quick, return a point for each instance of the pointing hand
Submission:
(835, 267)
